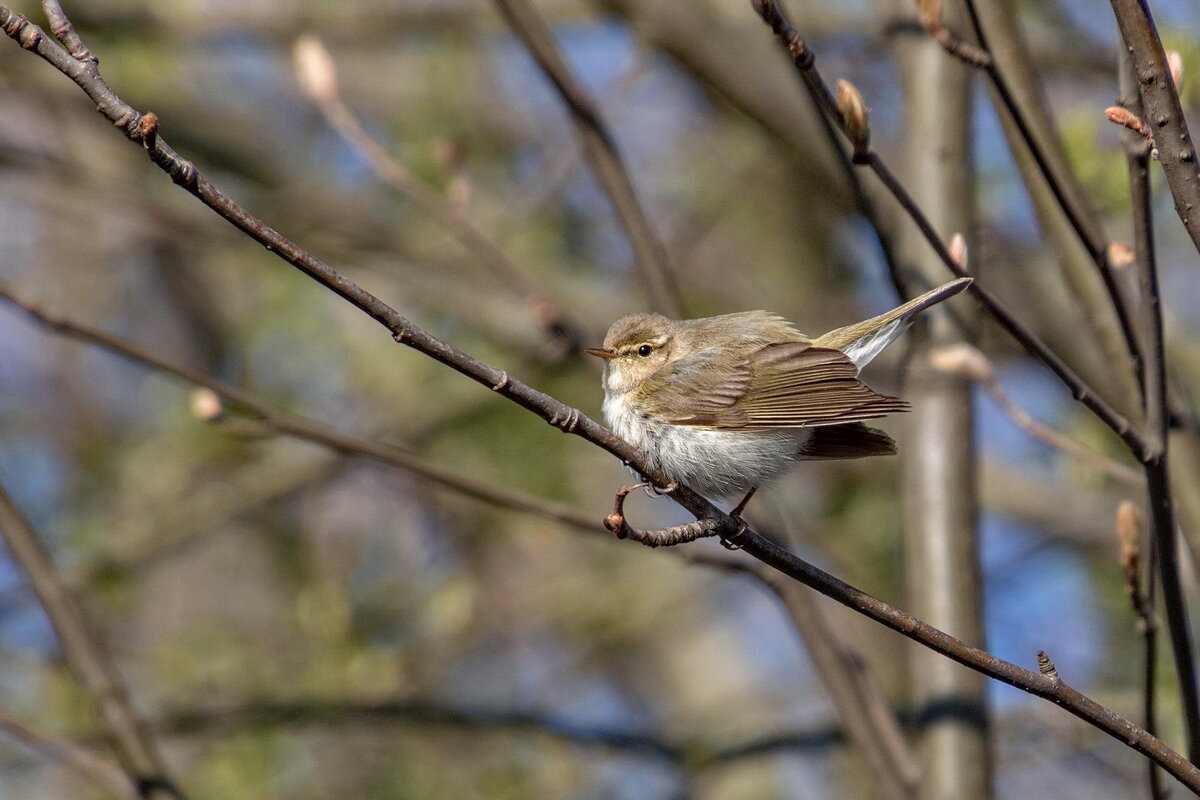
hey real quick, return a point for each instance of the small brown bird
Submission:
(724, 404)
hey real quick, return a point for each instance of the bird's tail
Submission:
(865, 340)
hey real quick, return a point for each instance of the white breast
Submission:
(717, 464)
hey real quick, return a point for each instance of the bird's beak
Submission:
(600, 352)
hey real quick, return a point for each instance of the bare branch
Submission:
(318, 76)
(805, 62)
(1155, 395)
(87, 658)
(1162, 109)
(71, 755)
(963, 359)
(600, 150)
(274, 420)
(572, 421)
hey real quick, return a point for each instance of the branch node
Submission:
(502, 384)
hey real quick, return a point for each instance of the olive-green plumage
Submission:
(724, 403)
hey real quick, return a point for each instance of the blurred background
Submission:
(298, 623)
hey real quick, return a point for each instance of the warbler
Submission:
(724, 404)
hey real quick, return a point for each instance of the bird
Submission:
(724, 404)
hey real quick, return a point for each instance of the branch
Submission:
(71, 755)
(1163, 111)
(964, 359)
(1154, 393)
(692, 756)
(853, 691)
(869, 721)
(318, 77)
(143, 129)
(85, 654)
(1053, 167)
(275, 420)
(600, 150)
(805, 62)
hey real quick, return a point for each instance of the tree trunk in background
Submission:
(939, 469)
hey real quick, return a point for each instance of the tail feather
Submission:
(854, 440)
(863, 341)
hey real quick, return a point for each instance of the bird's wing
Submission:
(785, 385)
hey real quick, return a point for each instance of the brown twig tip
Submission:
(1120, 255)
(1175, 64)
(930, 12)
(958, 250)
(205, 405)
(1046, 666)
(1127, 119)
(315, 69)
(856, 116)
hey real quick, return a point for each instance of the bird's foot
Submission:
(732, 542)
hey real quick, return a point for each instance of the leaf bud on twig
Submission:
(855, 118)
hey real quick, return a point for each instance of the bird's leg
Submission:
(740, 507)
(731, 543)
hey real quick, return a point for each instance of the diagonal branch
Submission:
(855, 694)
(278, 420)
(143, 129)
(805, 62)
(1057, 173)
(317, 74)
(71, 755)
(86, 656)
(600, 150)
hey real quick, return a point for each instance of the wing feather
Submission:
(784, 385)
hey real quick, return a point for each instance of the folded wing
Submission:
(785, 385)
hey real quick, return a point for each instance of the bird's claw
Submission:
(731, 542)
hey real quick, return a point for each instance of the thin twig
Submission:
(318, 76)
(274, 420)
(1057, 173)
(600, 150)
(85, 654)
(688, 755)
(1162, 109)
(1154, 392)
(71, 755)
(870, 722)
(963, 359)
(570, 420)
(805, 62)
(860, 702)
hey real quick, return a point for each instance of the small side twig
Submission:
(805, 61)
(318, 77)
(964, 359)
(666, 537)
(185, 174)
(85, 653)
(600, 151)
(71, 755)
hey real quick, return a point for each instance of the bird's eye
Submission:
(645, 350)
